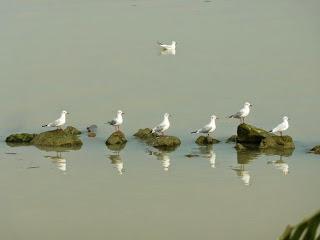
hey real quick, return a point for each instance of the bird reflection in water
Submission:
(205, 152)
(59, 161)
(163, 156)
(117, 163)
(167, 52)
(244, 157)
(280, 165)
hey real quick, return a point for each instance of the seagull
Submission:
(163, 126)
(282, 126)
(244, 112)
(172, 46)
(209, 128)
(117, 121)
(59, 122)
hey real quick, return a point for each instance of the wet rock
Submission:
(56, 138)
(20, 138)
(232, 139)
(72, 130)
(164, 142)
(239, 146)
(206, 140)
(248, 134)
(145, 134)
(116, 138)
(315, 149)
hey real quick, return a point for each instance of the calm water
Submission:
(95, 57)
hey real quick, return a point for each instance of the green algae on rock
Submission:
(315, 149)
(145, 134)
(164, 142)
(116, 138)
(72, 130)
(248, 134)
(56, 138)
(232, 139)
(206, 140)
(20, 138)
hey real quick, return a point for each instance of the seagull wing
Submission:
(55, 123)
(112, 122)
(279, 128)
(206, 129)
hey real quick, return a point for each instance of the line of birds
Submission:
(165, 124)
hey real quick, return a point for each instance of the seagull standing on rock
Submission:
(171, 46)
(244, 112)
(59, 122)
(116, 122)
(209, 128)
(282, 126)
(163, 126)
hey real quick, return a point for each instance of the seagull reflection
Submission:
(168, 52)
(117, 162)
(205, 152)
(280, 165)
(59, 161)
(242, 174)
(163, 157)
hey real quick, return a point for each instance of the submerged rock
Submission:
(162, 142)
(315, 149)
(20, 138)
(248, 134)
(56, 138)
(206, 140)
(116, 138)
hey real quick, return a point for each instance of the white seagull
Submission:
(163, 126)
(282, 126)
(209, 128)
(244, 112)
(171, 46)
(59, 122)
(116, 122)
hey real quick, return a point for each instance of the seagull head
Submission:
(120, 112)
(247, 104)
(285, 118)
(173, 43)
(64, 112)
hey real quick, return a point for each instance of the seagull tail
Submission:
(46, 125)
(195, 131)
(231, 116)
(271, 131)
(159, 43)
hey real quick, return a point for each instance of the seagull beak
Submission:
(251, 105)
(122, 113)
(217, 118)
(68, 113)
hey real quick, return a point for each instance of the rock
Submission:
(164, 142)
(20, 138)
(116, 138)
(72, 131)
(56, 138)
(248, 134)
(206, 140)
(315, 149)
(232, 139)
(239, 146)
(145, 134)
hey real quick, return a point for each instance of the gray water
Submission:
(95, 57)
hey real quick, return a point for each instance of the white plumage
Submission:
(171, 46)
(243, 112)
(59, 122)
(282, 126)
(117, 121)
(163, 126)
(209, 128)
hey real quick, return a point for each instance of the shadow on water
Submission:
(205, 152)
(115, 158)
(245, 156)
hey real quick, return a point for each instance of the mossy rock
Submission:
(144, 134)
(72, 130)
(164, 142)
(116, 138)
(232, 139)
(239, 146)
(248, 134)
(56, 138)
(206, 140)
(315, 149)
(20, 138)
